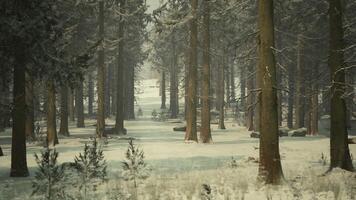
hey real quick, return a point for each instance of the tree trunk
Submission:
(100, 115)
(191, 114)
(79, 105)
(119, 125)
(30, 115)
(90, 93)
(130, 93)
(205, 131)
(107, 92)
(173, 105)
(243, 80)
(18, 146)
(227, 82)
(222, 93)
(339, 148)
(113, 70)
(291, 83)
(163, 89)
(64, 130)
(314, 103)
(71, 106)
(299, 96)
(250, 99)
(52, 138)
(232, 83)
(270, 169)
(1, 153)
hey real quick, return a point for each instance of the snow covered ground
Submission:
(179, 169)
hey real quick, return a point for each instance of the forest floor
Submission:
(178, 170)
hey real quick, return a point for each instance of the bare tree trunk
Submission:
(250, 107)
(173, 106)
(90, 93)
(314, 103)
(119, 125)
(191, 115)
(113, 70)
(30, 115)
(243, 80)
(18, 146)
(71, 106)
(227, 82)
(291, 83)
(100, 115)
(339, 148)
(1, 153)
(163, 89)
(270, 168)
(107, 92)
(232, 83)
(299, 95)
(52, 138)
(64, 130)
(79, 105)
(205, 131)
(222, 93)
(130, 93)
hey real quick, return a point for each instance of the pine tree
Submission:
(134, 166)
(49, 177)
(91, 168)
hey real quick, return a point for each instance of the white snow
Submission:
(179, 169)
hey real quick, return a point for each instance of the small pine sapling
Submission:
(91, 168)
(50, 176)
(206, 192)
(134, 166)
(154, 115)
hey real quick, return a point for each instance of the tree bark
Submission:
(173, 105)
(79, 105)
(1, 153)
(71, 106)
(191, 114)
(30, 115)
(163, 89)
(232, 83)
(299, 95)
(339, 148)
(100, 116)
(107, 92)
(270, 169)
(222, 93)
(90, 93)
(205, 131)
(52, 138)
(291, 83)
(130, 93)
(243, 81)
(64, 130)
(18, 147)
(119, 125)
(250, 99)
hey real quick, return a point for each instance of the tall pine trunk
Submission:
(18, 146)
(79, 105)
(250, 99)
(90, 93)
(64, 130)
(30, 114)
(52, 138)
(71, 105)
(163, 89)
(221, 94)
(205, 131)
(191, 114)
(100, 115)
(270, 168)
(299, 94)
(291, 83)
(119, 124)
(130, 93)
(339, 148)
(173, 105)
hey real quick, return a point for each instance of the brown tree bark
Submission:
(71, 106)
(18, 146)
(205, 131)
(64, 130)
(291, 89)
(119, 125)
(222, 93)
(30, 115)
(339, 148)
(163, 89)
(130, 93)
(270, 169)
(90, 93)
(108, 86)
(79, 105)
(250, 99)
(173, 105)
(100, 115)
(299, 94)
(52, 138)
(191, 114)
